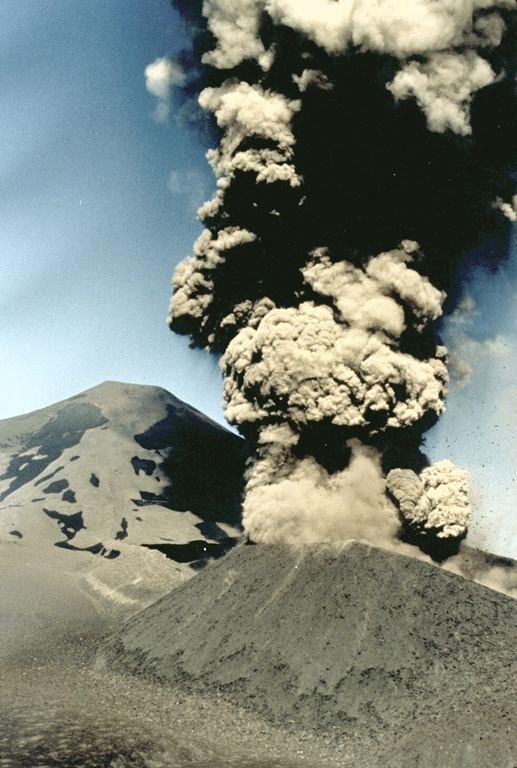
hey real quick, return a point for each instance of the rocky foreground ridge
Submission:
(404, 663)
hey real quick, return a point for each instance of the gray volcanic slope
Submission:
(406, 664)
(120, 464)
(107, 501)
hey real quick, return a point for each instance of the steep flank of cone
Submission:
(375, 647)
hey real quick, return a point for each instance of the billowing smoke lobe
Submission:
(363, 149)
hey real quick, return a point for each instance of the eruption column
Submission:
(363, 148)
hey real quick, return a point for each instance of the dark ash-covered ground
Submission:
(401, 662)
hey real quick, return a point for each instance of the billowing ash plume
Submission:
(364, 147)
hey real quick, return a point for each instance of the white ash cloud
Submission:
(460, 371)
(160, 77)
(444, 86)
(341, 365)
(508, 209)
(243, 110)
(340, 362)
(399, 28)
(446, 34)
(312, 77)
(292, 500)
(438, 500)
(373, 297)
(236, 29)
(192, 286)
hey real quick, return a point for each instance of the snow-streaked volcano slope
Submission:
(117, 467)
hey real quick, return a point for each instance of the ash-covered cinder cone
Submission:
(404, 663)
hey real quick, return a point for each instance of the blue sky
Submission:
(98, 204)
(90, 227)
(479, 429)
